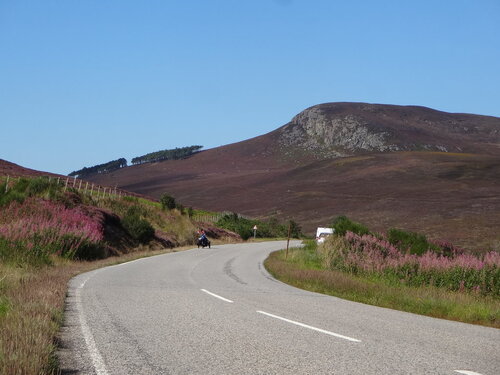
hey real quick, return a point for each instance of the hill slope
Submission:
(410, 167)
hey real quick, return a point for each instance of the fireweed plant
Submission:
(448, 267)
(39, 219)
(34, 230)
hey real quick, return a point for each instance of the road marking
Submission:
(216, 296)
(465, 372)
(96, 357)
(310, 327)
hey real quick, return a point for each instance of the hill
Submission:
(13, 170)
(387, 166)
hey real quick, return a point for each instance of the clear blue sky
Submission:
(89, 81)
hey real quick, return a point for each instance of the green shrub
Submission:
(90, 251)
(137, 227)
(237, 224)
(415, 243)
(342, 224)
(167, 202)
(265, 229)
(181, 208)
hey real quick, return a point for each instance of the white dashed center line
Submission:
(216, 296)
(310, 327)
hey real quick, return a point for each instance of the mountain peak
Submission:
(344, 129)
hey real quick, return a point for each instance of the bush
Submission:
(138, 228)
(90, 251)
(413, 242)
(167, 202)
(342, 225)
(237, 224)
(265, 229)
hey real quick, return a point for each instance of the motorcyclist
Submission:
(203, 236)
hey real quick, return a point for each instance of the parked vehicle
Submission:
(322, 233)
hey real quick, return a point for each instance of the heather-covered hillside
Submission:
(412, 167)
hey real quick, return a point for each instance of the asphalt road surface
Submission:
(217, 311)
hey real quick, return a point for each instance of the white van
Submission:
(322, 233)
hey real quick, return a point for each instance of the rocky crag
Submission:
(345, 129)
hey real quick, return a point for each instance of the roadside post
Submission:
(288, 240)
(254, 231)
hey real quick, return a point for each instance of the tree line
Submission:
(171, 154)
(110, 166)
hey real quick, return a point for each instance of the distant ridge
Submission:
(8, 168)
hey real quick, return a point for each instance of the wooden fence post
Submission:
(288, 240)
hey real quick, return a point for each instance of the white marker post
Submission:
(254, 231)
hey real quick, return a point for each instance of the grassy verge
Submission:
(32, 307)
(303, 269)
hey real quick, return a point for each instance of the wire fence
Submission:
(213, 217)
(94, 190)
(97, 191)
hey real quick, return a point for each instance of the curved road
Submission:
(218, 311)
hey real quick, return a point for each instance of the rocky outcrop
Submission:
(314, 130)
(344, 129)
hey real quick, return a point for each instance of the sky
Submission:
(83, 82)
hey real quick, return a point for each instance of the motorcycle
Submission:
(203, 242)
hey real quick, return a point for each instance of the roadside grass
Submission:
(302, 268)
(32, 307)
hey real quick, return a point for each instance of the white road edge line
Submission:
(465, 372)
(216, 296)
(310, 327)
(96, 357)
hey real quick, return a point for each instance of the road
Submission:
(218, 311)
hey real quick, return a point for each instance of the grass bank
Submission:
(304, 268)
